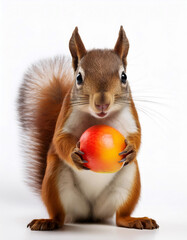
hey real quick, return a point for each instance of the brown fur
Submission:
(135, 139)
(50, 197)
(127, 208)
(64, 143)
(77, 48)
(101, 70)
(123, 218)
(50, 193)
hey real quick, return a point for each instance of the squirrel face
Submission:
(100, 80)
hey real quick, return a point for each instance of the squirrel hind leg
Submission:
(123, 218)
(50, 197)
(44, 224)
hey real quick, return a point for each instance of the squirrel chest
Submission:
(91, 184)
(79, 121)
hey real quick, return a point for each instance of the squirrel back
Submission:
(40, 99)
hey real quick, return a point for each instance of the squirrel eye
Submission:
(79, 79)
(123, 77)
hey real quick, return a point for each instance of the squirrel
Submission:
(58, 100)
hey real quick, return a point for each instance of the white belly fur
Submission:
(92, 183)
(90, 195)
(85, 193)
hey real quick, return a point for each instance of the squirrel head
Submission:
(101, 85)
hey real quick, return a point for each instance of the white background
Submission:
(157, 31)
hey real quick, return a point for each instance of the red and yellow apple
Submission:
(101, 145)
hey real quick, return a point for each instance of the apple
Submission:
(101, 145)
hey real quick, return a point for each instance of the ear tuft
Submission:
(77, 48)
(122, 45)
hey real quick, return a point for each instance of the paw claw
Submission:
(123, 152)
(129, 153)
(84, 161)
(31, 223)
(122, 160)
(78, 160)
(125, 164)
(79, 151)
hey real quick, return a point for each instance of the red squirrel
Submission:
(57, 102)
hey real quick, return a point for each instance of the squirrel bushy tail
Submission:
(40, 99)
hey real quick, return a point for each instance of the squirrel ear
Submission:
(76, 48)
(122, 45)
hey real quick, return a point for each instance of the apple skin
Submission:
(101, 145)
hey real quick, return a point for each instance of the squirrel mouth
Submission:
(102, 114)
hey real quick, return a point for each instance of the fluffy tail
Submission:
(40, 98)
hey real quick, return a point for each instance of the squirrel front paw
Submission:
(129, 153)
(76, 156)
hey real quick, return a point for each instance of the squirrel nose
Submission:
(102, 107)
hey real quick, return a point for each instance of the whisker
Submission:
(150, 115)
(153, 111)
(80, 100)
(158, 114)
(79, 103)
(146, 99)
(149, 101)
(146, 110)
